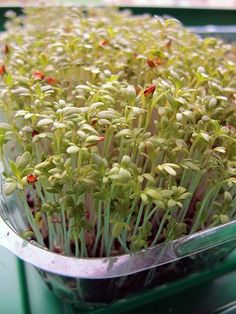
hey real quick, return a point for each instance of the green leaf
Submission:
(224, 219)
(150, 148)
(124, 132)
(51, 190)
(42, 135)
(89, 181)
(24, 160)
(107, 114)
(117, 229)
(185, 196)
(227, 197)
(38, 90)
(10, 187)
(27, 234)
(44, 122)
(102, 195)
(97, 160)
(5, 126)
(160, 204)
(206, 137)
(191, 165)
(171, 203)
(43, 59)
(169, 170)
(168, 167)
(126, 226)
(43, 164)
(89, 128)
(124, 175)
(147, 228)
(126, 160)
(149, 177)
(138, 244)
(155, 194)
(92, 140)
(14, 168)
(144, 198)
(166, 193)
(9, 80)
(220, 149)
(72, 149)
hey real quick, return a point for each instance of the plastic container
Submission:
(92, 282)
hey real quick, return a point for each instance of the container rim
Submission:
(115, 266)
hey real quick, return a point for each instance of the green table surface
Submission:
(22, 292)
(11, 298)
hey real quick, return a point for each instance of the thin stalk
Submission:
(58, 141)
(106, 226)
(151, 213)
(107, 210)
(145, 165)
(51, 236)
(138, 218)
(98, 232)
(193, 187)
(102, 246)
(183, 178)
(80, 159)
(58, 227)
(125, 232)
(37, 152)
(123, 245)
(121, 149)
(39, 192)
(134, 151)
(74, 161)
(160, 227)
(149, 112)
(31, 220)
(107, 142)
(147, 209)
(160, 182)
(65, 238)
(210, 209)
(170, 180)
(110, 244)
(84, 252)
(211, 192)
(77, 252)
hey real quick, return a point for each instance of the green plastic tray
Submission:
(212, 291)
(23, 292)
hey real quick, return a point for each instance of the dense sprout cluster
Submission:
(119, 130)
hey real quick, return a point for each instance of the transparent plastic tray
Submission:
(92, 282)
